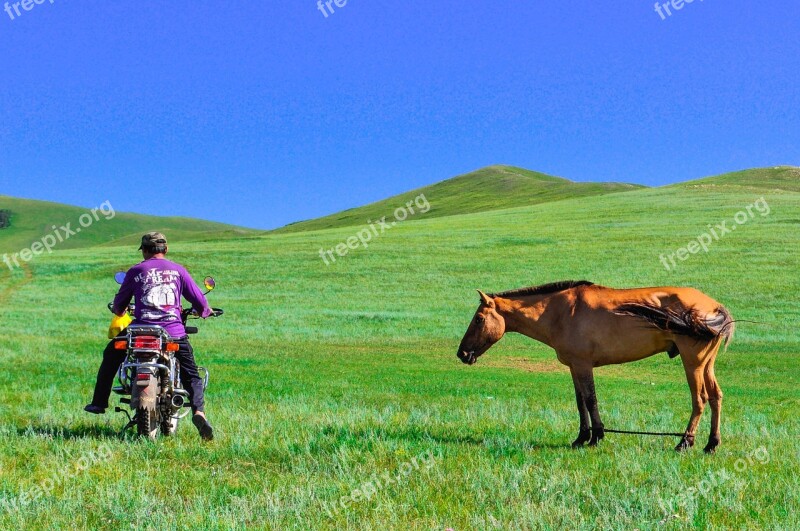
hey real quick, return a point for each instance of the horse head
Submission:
(486, 328)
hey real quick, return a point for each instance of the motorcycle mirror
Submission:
(210, 283)
(120, 277)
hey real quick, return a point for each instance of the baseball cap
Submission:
(151, 239)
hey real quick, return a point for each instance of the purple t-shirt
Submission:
(157, 286)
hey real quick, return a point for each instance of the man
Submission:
(157, 285)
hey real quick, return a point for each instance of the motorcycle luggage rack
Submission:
(146, 330)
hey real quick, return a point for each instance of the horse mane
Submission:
(544, 289)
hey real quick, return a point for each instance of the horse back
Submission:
(596, 325)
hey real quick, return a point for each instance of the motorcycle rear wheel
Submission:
(147, 423)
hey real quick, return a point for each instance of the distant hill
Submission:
(24, 221)
(490, 188)
(30, 220)
(774, 178)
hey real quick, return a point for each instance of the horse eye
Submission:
(479, 320)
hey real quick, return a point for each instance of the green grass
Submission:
(490, 188)
(322, 376)
(31, 220)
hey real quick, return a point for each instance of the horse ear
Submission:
(485, 299)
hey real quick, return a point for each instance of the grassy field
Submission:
(327, 379)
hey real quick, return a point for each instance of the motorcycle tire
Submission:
(169, 426)
(147, 423)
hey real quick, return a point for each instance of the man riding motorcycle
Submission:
(157, 284)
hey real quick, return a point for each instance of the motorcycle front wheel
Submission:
(169, 426)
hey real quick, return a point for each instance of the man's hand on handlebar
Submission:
(191, 313)
(130, 309)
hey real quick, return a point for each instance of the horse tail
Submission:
(688, 322)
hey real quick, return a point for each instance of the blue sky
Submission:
(263, 113)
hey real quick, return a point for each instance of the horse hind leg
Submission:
(715, 400)
(695, 379)
(695, 359)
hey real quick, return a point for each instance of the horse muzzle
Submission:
(467, 357)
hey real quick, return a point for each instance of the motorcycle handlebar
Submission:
(189, 313)
(129, 309)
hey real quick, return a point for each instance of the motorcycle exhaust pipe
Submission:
(178, 401)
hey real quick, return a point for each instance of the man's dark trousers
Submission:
(112, 360)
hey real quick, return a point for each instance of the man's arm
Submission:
(124, 295)
(195, 297)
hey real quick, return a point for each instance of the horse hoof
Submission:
(686, 443)
(583, 438)
(597, 436)
(711, 447)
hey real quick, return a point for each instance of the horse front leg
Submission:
(584, 378)
(585, 432)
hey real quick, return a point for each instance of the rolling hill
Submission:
(490, 188)
(500, 187)
(30, 220)
(774, 178)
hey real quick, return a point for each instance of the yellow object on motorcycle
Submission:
(118, 324)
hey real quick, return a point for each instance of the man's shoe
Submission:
(97, 410)
(203, 427)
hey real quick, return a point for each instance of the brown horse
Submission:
(590, 326)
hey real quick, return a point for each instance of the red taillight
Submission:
(143, 376)
(146, 343)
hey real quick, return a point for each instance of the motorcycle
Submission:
(149, 378)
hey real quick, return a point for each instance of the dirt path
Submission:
(14, 286)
